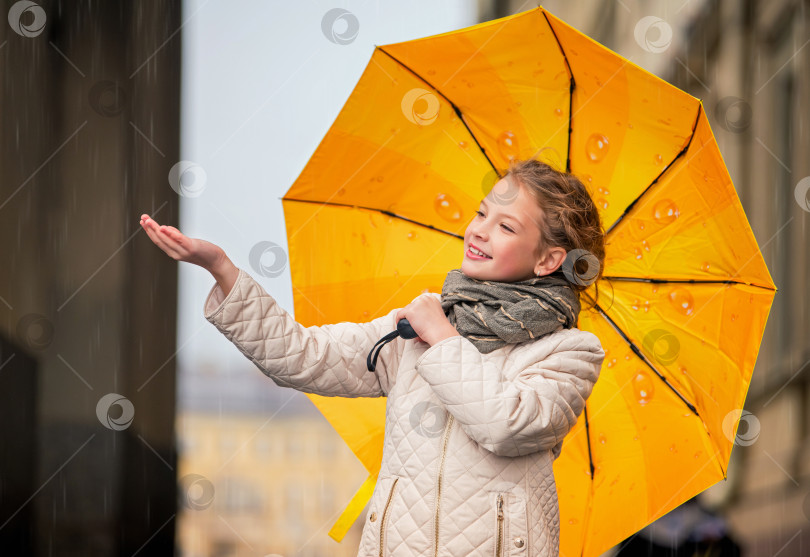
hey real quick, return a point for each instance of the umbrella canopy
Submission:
(378, 214)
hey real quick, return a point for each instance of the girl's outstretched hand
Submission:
(192, 250)
(182, 248)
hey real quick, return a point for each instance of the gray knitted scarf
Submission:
(492, 314)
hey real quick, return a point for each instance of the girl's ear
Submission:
(550, 262)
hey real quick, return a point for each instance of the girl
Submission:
(499, 370)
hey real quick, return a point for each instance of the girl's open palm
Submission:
(182, 248)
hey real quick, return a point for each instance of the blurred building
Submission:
(89, 128)
(260, 470)
(749, 63)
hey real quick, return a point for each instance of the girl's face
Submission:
(507, 229)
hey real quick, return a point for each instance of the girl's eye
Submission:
(506, 227)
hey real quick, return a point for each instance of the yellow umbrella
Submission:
(377, 216)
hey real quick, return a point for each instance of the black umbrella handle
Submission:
(404, 330)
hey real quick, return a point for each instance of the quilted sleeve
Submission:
(531, 412)
(328, 360)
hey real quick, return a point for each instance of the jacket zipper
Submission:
(500, 525)
(439, 486)
(385, 514)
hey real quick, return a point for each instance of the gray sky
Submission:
(261, 85)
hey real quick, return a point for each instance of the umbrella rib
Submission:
(571, 88)
(456, 109)
(643, 358)
(588, 439)
(387, 213)
(655, 181)
(692, 281)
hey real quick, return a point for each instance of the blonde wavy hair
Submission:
(571, 220)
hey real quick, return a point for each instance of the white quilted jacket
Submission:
(470, 438)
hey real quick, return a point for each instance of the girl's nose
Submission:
(480, 231)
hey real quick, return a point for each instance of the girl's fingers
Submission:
(155, 237)
(167, 238)
(174, 234)
(161, 240)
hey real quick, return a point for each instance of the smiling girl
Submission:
(479, 404)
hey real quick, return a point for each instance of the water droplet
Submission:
(396, 273)
(596, 147)
(507, 145)
(646, 245)
(412, 235)
(611, 362)
(431, 72)
(447, 208)
(672, 448)
(630, 126)
(665, 211)
(341, 191)
(643, 387)
(734, 316)
(682, 299)
(380, 178)
(658, 159)
(641, 226)
(573, 521)
(601, 202)
(557, 112)
(602, 438)
(427, 163)
(462, 144)
(705, 267)
(697, 454)
(366, 313)
(637, 252)
(635, 304)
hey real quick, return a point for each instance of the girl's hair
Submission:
(571, 220)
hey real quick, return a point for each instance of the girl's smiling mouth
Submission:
(475, 256)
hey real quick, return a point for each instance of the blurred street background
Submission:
(130, 426)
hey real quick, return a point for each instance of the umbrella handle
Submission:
(404, 330)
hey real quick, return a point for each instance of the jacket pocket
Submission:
(511, 524)
(379, 513)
